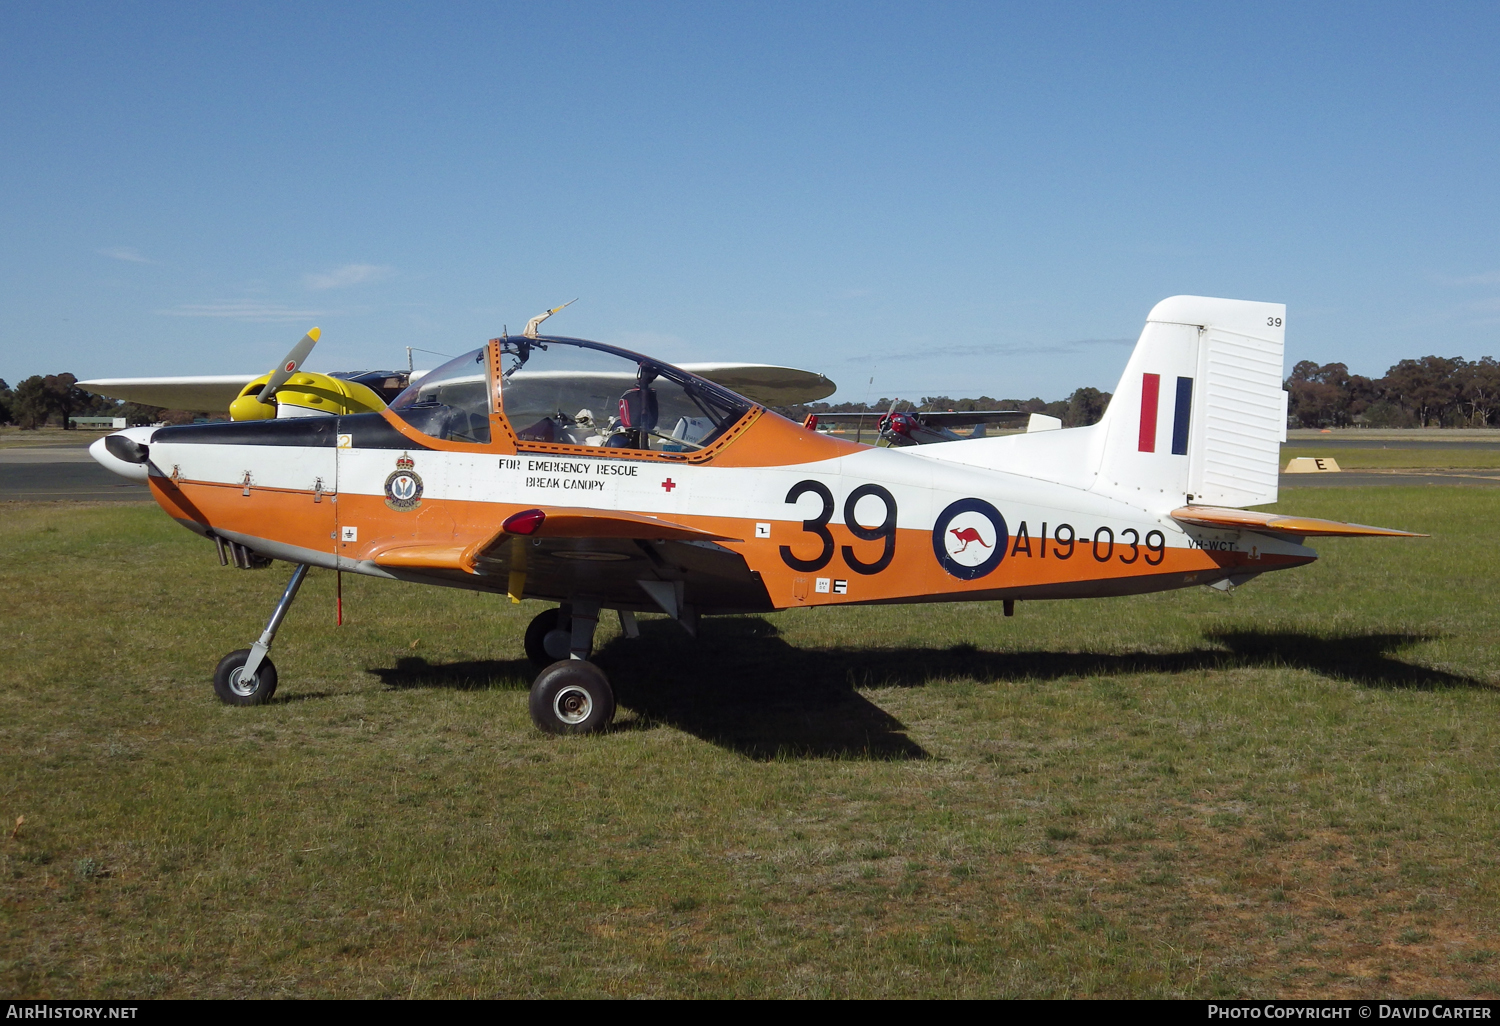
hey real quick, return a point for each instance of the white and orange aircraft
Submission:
(596, 478)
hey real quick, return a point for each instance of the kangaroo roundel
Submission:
(969, 539)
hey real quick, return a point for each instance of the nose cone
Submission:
(124, 452)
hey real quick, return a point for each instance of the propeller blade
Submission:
(289, 366)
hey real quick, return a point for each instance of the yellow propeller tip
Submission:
(315, 333)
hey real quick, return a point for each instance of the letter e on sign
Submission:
(1313, 465)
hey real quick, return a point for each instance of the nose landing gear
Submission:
(247, 676)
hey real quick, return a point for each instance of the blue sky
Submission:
(949, 198)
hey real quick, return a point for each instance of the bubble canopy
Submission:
(566, 391)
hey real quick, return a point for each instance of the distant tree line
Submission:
(55, 398)
(1085, 406)
(1433, 391)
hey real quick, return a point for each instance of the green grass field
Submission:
(1288, 790)
(1428, 457)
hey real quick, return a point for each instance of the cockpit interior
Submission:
(559, 391)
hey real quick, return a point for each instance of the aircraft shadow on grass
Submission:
(739, 685)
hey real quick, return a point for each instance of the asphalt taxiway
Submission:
(67, 473)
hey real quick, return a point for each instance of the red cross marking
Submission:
(669, 484)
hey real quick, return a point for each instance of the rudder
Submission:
(1199, 415)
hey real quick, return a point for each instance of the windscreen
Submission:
(451, 402)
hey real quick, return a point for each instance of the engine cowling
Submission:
(305, 394)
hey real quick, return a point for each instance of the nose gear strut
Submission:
(247, 676)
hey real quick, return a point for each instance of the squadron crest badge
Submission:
(403, 489)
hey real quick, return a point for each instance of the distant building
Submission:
(102, 422)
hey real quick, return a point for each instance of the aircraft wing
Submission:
(956, 419)
(942, 420)
(947, 418)
(625, 559)
(914, 428)
(202, 393)
(212, 393)
(848, 419)
(764, 383)
(1275, 523)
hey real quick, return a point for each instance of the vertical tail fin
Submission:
(1200, 414)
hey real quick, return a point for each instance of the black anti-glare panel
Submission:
(309, 432)
(372, 431)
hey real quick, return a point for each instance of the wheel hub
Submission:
(573, 704)
(240, 685)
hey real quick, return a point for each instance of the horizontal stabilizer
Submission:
(1275, 523)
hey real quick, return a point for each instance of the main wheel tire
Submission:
(232, 687)
(572, 697)
(536, 636)
(546, 639)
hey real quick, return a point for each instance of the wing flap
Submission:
(1276, 523)
(425, 557)
(581, 522)
(560, 522)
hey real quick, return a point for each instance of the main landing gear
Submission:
(247, 676)
(571, 695)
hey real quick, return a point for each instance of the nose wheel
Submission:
(247, 676)
(236, 687)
